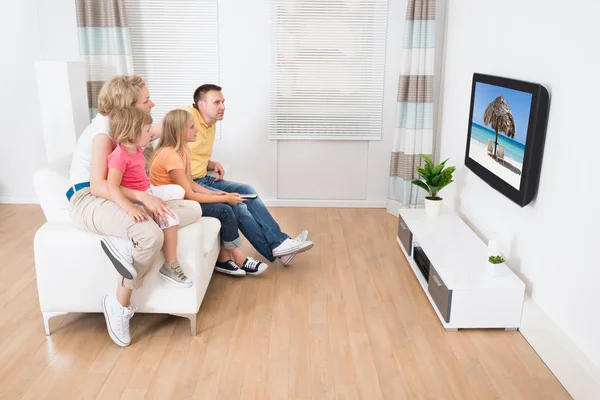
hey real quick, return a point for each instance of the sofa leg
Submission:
(192, 318)
(47, 316)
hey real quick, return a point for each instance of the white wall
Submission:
(286, 170)
(20, 118)
(31, 30)
(552, 243)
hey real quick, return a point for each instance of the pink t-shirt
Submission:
(133, 167)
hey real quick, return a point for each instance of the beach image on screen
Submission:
(499, 130)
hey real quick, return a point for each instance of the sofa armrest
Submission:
(51, 183)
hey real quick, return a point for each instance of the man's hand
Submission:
(218, 168)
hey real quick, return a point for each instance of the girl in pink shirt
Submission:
(130, 129)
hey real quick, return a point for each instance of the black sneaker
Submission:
(254, 267)
(229, 267)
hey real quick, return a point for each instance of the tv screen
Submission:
(506, 133)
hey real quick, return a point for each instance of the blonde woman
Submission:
(171, 165)
(93, 210)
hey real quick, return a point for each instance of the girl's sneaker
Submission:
(230, 268)
(254, 267)
(174, 274)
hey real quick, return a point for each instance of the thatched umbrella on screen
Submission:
(499, 115)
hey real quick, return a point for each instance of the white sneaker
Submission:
(118, 251)
(117, 320)
(302, 236)
(287, 260)
(292, 246)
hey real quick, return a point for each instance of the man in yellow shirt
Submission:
(254, 220)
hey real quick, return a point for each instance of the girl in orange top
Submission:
(171, 165)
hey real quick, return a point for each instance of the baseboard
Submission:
(574, 370)
(18, 200)
(324, 203)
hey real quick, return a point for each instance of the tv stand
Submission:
(459, 285)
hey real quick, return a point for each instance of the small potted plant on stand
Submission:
(434, 179)
(495, 265)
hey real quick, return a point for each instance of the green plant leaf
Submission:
(438, 168)
(496, 259)
(423, 172)
(421, 184)
(427, 159)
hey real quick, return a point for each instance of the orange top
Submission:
(165, 160)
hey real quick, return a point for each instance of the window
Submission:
(328, 60)
(175, 47)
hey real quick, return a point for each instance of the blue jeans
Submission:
(229, 225)
(253, 218)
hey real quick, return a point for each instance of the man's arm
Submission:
(217, 167)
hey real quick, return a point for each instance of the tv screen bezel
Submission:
(533, 143)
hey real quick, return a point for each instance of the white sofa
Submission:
(73, 273)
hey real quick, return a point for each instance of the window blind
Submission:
(175, 48)
(327, 71)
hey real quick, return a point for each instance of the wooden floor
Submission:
(348, 320)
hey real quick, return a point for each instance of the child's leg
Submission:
(229, 226)
(224, 255)
(171, 270)
(170, 244)
(231, 238)
(238, 256)
(167, 193)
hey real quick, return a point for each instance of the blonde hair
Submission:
(173, 133)
(126, 124)
(173, 130)
(119, 92)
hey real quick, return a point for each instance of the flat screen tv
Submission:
(507, 129)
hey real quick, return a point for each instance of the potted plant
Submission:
(495, 265)
(433, 179)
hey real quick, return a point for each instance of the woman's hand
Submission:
(232, 199)
(157, 208)
(137, 215)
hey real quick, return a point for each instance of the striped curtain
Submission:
(104, 44)
(413, 133)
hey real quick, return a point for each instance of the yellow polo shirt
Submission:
(202, 148)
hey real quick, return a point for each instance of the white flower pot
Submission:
(433, 207)
(496, 270)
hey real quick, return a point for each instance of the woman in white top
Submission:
(93, 211)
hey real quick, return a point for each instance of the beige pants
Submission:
(105, 217)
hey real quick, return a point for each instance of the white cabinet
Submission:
(449, 261)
